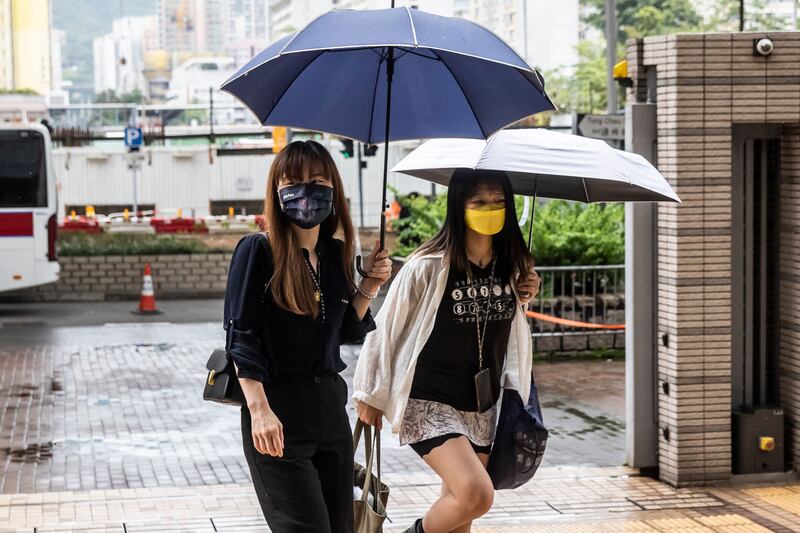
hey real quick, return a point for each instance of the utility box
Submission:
(758, 445)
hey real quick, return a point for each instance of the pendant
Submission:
(316, 295)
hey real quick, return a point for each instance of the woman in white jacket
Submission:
(450, 335)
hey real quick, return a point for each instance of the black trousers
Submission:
(310, 488)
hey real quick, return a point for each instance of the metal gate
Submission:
(755, 322)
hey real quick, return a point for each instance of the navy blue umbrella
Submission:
(390, 74)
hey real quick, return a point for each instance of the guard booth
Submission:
(713, 338)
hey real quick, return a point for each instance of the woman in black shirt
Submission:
(444, 387)
(291, 301)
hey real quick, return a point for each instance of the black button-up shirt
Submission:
(267, 342)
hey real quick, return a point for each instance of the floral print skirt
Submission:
(424, 419)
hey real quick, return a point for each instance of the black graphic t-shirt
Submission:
(447, 365)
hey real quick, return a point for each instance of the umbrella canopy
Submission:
(544, 163)
(445, 77)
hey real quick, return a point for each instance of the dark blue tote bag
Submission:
(519, 442)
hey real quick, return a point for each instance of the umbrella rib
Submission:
(413, 28)
(474, 114)
(301, 31)
(405, 52)
(585, 190)
(374, 94)
(245, 105)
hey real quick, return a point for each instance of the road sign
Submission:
(133, 137)
(605, 127)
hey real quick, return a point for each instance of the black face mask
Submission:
(307, 204)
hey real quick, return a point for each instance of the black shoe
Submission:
(416, 528)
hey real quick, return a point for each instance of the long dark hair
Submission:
(292, 289)
(513, 256)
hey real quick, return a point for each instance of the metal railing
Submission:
(590, 294)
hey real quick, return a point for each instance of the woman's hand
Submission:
(267, 431)
(369, 415)
(378, 267)
(528, 286)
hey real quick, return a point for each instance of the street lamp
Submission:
(611, 56)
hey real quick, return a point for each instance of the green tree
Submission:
(725, 17)
(640, 18)
(27, 92)
(582, 88)
(133, 97)
(109, 96)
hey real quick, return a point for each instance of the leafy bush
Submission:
(80, 244)
(568, 233)
(424, 220)
(565, 233)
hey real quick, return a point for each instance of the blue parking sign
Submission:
(133, 137)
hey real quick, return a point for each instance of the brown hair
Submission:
(291, 286)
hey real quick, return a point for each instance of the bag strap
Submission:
(357, 435)
(370, 458)
(372, 443)
(378, 488)
(379, 507)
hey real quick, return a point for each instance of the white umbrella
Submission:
(547, 164)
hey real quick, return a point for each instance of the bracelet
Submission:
(360, 290)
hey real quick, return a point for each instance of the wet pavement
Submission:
(117, 405)
(102, 428)
(583, 403)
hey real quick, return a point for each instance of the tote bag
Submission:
(369, 493)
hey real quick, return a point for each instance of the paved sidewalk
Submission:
(558, 500)
(123, 410)
(102, 429)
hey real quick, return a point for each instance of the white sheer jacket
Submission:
(385, 369)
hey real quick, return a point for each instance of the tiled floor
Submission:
(112, 436)
(99, 416)
(558, 500)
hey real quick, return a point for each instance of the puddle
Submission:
(23, 390)
(34, 453)
(162, 346)
(572, 421)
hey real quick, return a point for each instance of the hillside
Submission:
(83, 20)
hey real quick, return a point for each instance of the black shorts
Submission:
(424, 447)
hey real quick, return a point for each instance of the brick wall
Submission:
(705, 84)
(117, 277)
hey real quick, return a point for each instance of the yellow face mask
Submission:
(486, 220)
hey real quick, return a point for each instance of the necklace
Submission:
(482, 334)
(318, 296)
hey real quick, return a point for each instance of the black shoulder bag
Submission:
(222, 383)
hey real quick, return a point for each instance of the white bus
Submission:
(28, 204)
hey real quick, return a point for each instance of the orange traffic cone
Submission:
(147, 300)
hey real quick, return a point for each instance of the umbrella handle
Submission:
(359, 268)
